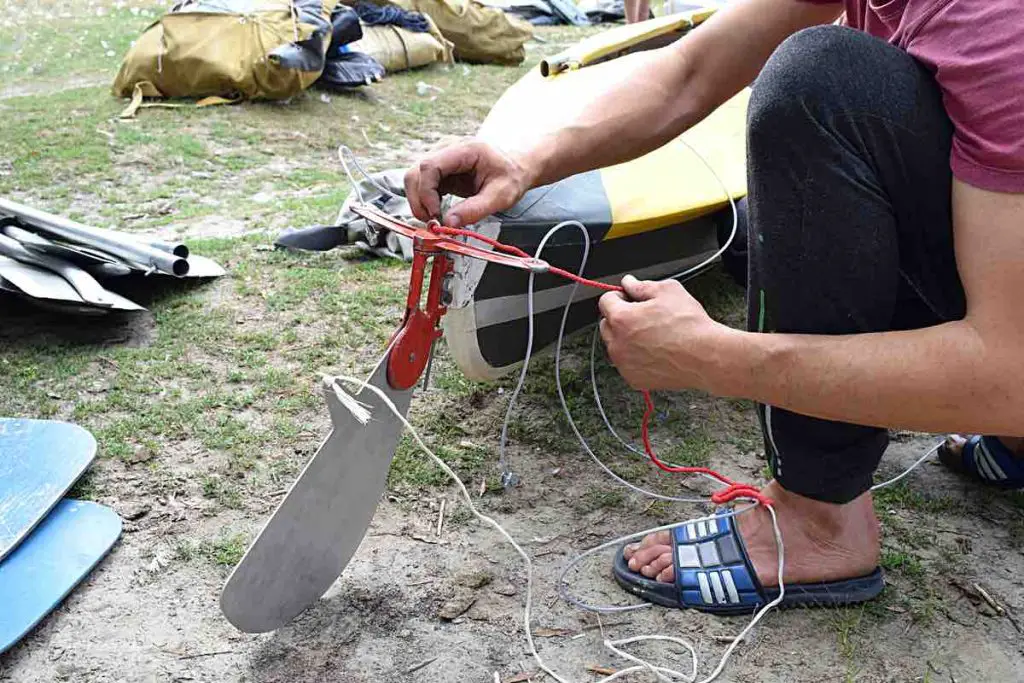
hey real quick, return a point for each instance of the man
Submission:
(637, 10)
(886, 247)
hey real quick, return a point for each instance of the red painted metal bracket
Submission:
(413, 343)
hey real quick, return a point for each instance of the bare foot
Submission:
(955, 445)
(823, 541)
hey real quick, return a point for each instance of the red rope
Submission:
(516, 251)
(597, 284)
(732, 490)
(507, 248)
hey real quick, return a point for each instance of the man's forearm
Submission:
(664, 92)
(936, 379)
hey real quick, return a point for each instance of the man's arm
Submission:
(960, 376)
(673, 88)
(966, 375)
(665, 92)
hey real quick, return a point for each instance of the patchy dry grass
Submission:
(207, 408)
(225, 375)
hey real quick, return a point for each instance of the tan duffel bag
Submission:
(270, 49)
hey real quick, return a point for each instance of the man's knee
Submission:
(824, 71)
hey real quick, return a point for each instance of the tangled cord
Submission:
(732, 492)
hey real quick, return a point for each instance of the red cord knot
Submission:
(735, 491)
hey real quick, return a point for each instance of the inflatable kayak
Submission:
(654, 217)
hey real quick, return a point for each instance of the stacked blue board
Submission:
(47, 544)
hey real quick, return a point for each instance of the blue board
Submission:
(44, 567)
(39, 461)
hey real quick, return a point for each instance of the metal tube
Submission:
(176, 248)
(117, 243)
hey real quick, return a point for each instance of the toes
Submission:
(954, 444)
(667, 575)
(646, 555)
(649, 571)
(659, 538)
(659, 566)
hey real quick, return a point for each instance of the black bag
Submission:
(350, 69)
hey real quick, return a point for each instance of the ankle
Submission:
(827, 521)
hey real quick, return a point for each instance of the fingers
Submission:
(423, 182)
(638, 290)
(611, 303)
(412, 194)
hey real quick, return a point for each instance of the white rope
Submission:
(909, 469)
(615, 646)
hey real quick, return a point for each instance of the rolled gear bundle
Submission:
(251, 49)
(479, 33)
(398, 49)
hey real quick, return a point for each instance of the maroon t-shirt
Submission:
(975, 49)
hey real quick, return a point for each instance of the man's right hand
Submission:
(488, 179)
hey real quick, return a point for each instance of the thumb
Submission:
(472, 210)
(493, 196)
(638, 290)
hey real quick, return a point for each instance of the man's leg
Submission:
(850, 232)
(637, 10)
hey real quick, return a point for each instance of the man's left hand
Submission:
(660, 337)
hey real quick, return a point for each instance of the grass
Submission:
(224, 376)
(902, 562)
(903, 496)
(600, 499)
(223, 551)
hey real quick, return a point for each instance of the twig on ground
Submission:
(419, 583)
(417, 667)
(207, 654)
(610, 624)
(440, 518)
(524, 677)
(603, 670)
(988, 598)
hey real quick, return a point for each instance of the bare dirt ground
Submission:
(206, 408)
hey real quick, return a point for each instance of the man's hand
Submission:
(489, 179)
(660, 337)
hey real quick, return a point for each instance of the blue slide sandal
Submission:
(713, 574)
(986, 459)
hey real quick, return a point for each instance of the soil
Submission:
(415, 606)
